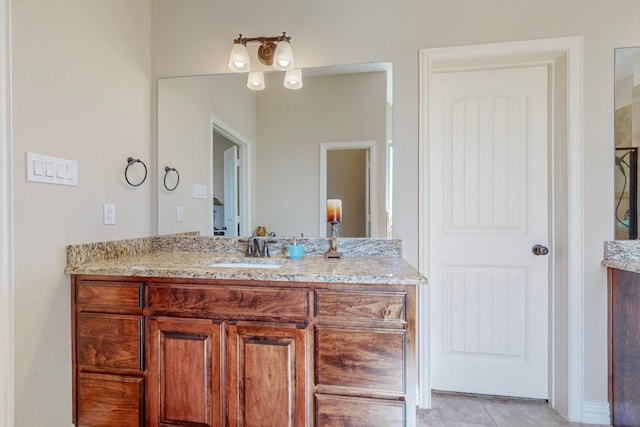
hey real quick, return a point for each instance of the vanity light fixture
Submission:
(274, 51)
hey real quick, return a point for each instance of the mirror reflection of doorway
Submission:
(346, 171)
(229, 181)
(348, 180)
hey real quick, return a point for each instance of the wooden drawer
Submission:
(231, 302)
(351, 411)
(346, 306)
(110, 341)
(110, 400)
(109, 294)
(360, 358)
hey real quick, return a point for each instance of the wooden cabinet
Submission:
(624, 347)
(363, 353)
(177, 352)
(184, 372)
(265, 375)
(108, 354)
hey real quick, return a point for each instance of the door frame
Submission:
(7, 382)
(564, 58)
(372, 186)
(244, 154)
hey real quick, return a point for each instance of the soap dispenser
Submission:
(295, 251)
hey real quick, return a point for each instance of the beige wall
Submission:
(81, 91)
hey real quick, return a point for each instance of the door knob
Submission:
(539, 250)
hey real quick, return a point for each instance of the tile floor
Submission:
(461, 410)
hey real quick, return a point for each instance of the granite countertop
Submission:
(622, 255)
(373, 262)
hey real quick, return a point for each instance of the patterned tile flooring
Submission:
(461, 410)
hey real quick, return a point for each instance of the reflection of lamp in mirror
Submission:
(293, 79)
(275, 51)
(255, 81)
(334, 217)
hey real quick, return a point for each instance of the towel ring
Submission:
(167, 169)
(131, 161)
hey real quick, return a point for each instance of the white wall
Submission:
(197, 39)
(82, 91)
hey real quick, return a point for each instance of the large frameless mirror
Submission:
(271, 158)
(627, 141)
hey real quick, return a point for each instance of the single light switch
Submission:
(199, 191)
(49, 169)
(37, 167)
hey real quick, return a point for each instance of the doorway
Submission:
(488, 300)
(230, 181)
(225, 170)
(563, 58)
(346, 171)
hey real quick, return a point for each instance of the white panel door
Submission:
(231, 191)
(488, 206)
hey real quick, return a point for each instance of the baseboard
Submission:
(596, 413)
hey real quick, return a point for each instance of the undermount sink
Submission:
(243, 263)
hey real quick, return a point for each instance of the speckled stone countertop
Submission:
(367, 261)
(622, 255)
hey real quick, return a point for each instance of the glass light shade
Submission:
(283, 57)
(293, 79)
(255, 81)
(239, 58)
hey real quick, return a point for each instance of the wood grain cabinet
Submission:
(364, 344)
(108, 354)
(177, 352)
(624, 347)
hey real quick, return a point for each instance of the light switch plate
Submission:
(51, 170)
(199, 191)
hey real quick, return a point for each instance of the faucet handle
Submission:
(265, 248)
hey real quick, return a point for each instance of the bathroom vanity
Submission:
(171, 338)
(623, 267)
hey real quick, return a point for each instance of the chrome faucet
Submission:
(254, 249)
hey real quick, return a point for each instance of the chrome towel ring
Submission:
(168, 169)
(131, 161)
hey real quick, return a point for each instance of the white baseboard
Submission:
(596, 413)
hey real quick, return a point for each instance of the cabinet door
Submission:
(358, 412)
(184, 373)
(265, 375)
(110, 400)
